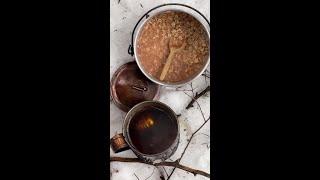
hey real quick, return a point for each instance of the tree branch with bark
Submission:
(175, 164)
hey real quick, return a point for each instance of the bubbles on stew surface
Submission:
(152, 130)
(153, 47)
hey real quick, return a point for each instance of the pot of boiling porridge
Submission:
(171, 44)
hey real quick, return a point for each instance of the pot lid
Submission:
(130, 87)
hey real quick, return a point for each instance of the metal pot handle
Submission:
(118, 143)
(131, 49)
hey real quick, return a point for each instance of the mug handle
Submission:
(118, 143)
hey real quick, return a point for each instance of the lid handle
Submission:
(139, 88)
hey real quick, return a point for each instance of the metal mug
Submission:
(122, 142)
(158, 10)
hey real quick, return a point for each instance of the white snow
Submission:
(123, 18)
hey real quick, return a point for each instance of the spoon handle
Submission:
(169, 60)
(167, 65)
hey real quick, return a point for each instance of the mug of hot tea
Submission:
(150, 130)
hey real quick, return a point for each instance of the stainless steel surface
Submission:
(161, 10)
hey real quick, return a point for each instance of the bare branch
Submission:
(192, 89)
(198, 96)
(178, 160)
(164, 163)
(151, 173)
(203, 134)
(136, 176)
(184, 90)
(198, 106)
(205, 75)
(176, 164)
(165, 171)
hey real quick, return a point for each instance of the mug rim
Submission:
(127, 122)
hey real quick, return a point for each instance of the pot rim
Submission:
(141, 25)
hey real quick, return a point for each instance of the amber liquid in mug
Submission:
(152, 130)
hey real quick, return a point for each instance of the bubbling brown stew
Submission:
(173, 29)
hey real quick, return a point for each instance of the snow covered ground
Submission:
(124, 16)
